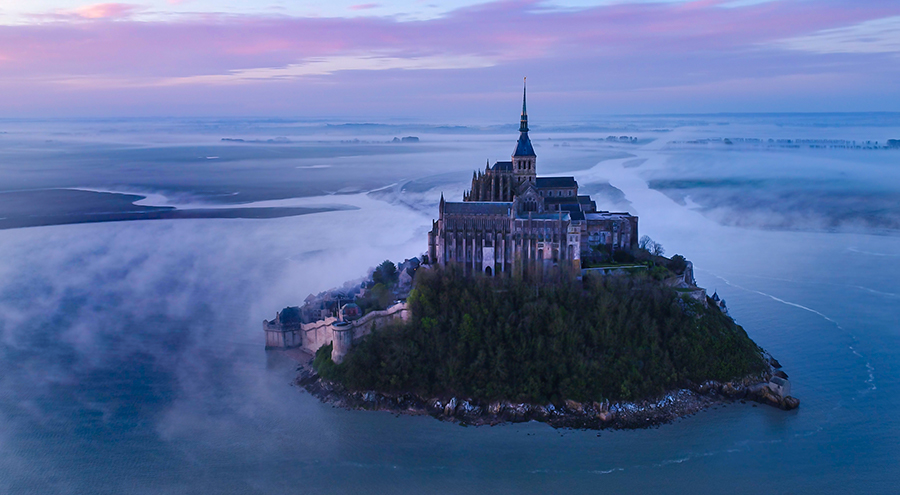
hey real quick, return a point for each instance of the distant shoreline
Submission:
(162, 214)
(67, 206)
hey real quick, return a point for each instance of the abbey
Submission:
(513, 221)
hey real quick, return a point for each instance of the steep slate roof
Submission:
(523, 147)
(587, 204)
(477, 208)
(502, 166)
(548, 182)
(574, 211)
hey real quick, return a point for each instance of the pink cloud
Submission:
(106, 11)
(365, 6)
(503, 31)
(619, 47)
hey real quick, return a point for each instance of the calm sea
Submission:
(131, 352)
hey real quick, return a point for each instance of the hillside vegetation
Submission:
(619, 337)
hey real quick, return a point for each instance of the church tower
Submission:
(524, 159)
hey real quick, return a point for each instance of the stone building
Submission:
(286, 331)
(779, 386)
(513, 220)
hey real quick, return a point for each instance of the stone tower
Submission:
(523, 159)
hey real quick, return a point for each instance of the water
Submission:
(132, 356)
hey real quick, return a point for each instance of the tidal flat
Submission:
(132, 356)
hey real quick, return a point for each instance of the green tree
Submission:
(290, 315)
(677, 264)
(385, 273)
(621, 337)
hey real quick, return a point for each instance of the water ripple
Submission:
(870, 381)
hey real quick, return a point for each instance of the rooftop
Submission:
(478, 208)
(523, 146)
(574, 211)
(546, 182)
(605, 215)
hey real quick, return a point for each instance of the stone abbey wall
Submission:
(312, 336)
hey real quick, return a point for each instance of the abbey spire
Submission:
(524, 159)
(523, 121)
(513, 222)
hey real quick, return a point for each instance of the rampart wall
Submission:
(312, 336)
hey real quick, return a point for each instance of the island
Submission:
(530, 304)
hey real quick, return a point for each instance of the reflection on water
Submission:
(132, 357)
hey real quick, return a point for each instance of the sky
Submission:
(445, 61)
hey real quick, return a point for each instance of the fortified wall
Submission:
(342, 334)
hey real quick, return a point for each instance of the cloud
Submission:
(601, 49)
(155, 327)
(875, 36)
(221, 45)
(320, 66)
(365, 6)
(107, 11)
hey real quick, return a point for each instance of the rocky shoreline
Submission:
(570, 414)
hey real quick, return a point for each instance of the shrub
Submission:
(623, 256)
(385, 273)
(677, 264)
(290, 315)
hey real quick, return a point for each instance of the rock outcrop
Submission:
(569, 414)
